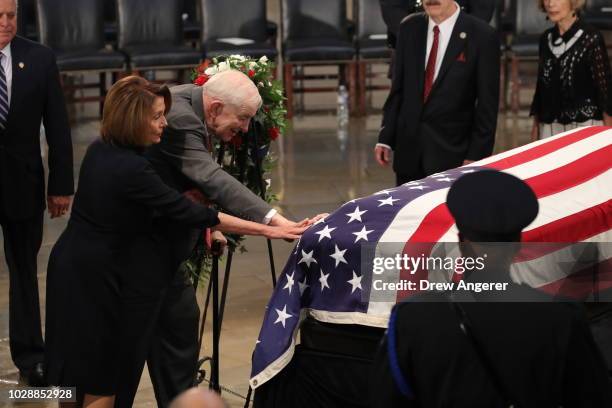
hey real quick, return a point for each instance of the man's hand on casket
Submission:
(280, 221)
(316, 218)
(288, 233)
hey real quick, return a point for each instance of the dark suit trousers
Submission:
(22, 240)
(173, 348)
(315, 379)
(418, 173)
(405, 178)
(424, 169)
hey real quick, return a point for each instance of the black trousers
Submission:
(22, 240)
(172, 349)
(330, 369)
(417, 173)
(316, 379)
(405, 178)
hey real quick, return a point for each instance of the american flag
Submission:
(570, 174)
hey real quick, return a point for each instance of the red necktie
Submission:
(431, 64)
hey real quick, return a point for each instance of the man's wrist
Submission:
(386, 146)
(269, 216)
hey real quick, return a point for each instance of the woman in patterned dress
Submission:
(574, 82)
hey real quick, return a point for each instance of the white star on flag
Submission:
(303, 286)
(439, 175)
(419, 188)
(355, 282)
(382, 192)
(387, 201)
(412, 183)
(307, 258)
(325, 232)
(445, 179)
(468, 171)
(338, 255)
(356, 215)
(323, 280)
(290, 282)
(282, 316)
(363, 234)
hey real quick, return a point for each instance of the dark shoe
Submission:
(35, 376)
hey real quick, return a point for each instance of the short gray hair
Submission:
(232, 87)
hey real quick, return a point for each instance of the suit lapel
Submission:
(455, 46)
(19, 73)
(421, 47)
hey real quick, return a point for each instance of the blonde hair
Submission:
(576, 5)
(127, 110)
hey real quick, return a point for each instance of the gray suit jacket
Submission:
(184, 162)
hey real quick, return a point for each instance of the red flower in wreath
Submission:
(251, 73)
(201, 79)
(202, 67)
(274, 133)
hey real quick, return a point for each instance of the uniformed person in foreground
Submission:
(443, 350)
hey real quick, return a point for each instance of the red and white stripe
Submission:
(572, 178)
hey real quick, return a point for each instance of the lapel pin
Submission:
(21, 65)
(463, 35)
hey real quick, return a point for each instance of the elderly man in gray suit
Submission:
(222, 108)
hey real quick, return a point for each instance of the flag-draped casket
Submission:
(329, 275)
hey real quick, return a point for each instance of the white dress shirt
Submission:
(269, 216)
(446, 30)
(7, 64)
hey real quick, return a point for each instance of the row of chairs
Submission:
(150, 36)
(158, 34)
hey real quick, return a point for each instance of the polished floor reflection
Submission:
(320, 166)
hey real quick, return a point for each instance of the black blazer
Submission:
(107, 268)
(394, 11)
(36, 95)
(458, 120)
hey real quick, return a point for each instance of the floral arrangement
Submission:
(238, 156)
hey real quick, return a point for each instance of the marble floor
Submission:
(320, 166)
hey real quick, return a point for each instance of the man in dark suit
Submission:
(30, 91)
(442, 109)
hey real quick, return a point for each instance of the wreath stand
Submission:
(218, 306)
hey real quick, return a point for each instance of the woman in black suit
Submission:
(106, 271)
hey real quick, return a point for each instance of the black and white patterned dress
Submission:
(574, 85)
